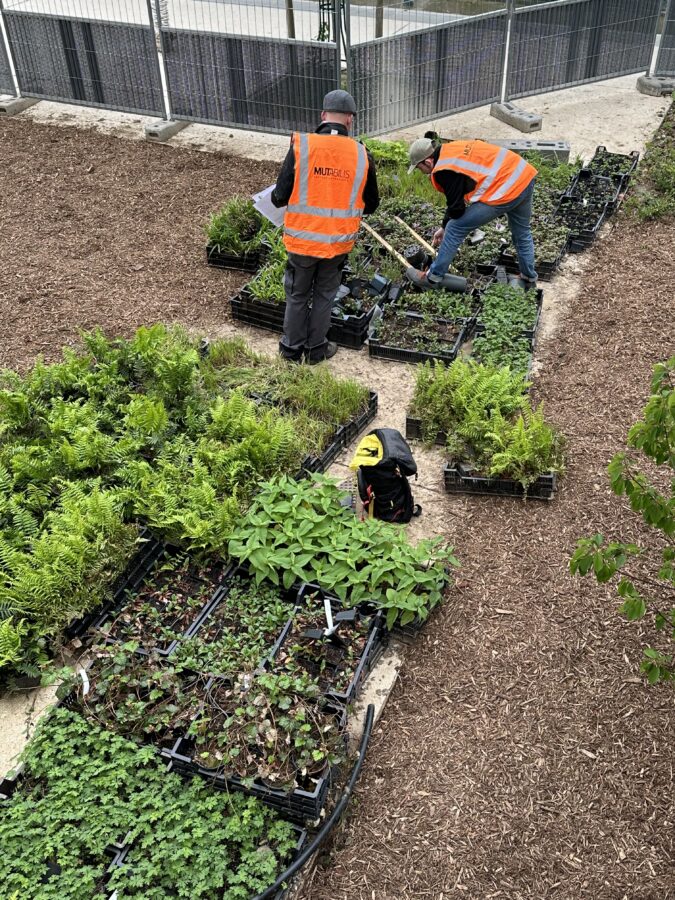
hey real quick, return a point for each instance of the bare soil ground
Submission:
(519, 756)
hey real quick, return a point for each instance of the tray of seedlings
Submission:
(414, 337)
(550, 246)
(617, 166)
(337, 646)
(236, 236)
(160, 604)
(507, 308)
(496, 443)
(149, 550)
(280, 844)
(270, 735)
(25, 790)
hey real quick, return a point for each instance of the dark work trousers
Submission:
(311, 285)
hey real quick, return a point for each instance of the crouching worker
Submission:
(481, 182)
(328, 180)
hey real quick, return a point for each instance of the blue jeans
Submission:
(519, 213)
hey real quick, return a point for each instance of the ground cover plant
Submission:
(507, 318)
(644, 573)
(148, 428)
(486, 419)
(425, 334)
(187, 840)
(166, 604)
(269, 726)
(654, 189)
(331, 659)
(237, 228)
(239, 632)
(441, 304)
(299, 531)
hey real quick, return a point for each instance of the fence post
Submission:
(165, 129)
(4, 36)
(663, 16)
(510, 5)
(345, 11)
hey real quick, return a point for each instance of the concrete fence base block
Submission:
(559, 150)
(516, 117)
(163, 130)
(15, 105)
(656, 85)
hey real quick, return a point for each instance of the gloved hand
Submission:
(438, 237)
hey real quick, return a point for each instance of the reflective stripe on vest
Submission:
(497, 181)
(330, 229)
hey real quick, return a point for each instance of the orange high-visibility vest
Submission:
(500, 174)
(325, 207)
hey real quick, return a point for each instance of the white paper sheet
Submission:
(263, 203)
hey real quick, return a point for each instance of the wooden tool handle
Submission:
(387, 246)
(420, 240)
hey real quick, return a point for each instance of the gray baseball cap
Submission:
(339, 101)
(419, 150)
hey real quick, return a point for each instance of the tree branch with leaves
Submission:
(647, 588)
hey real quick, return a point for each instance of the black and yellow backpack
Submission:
(383, 462)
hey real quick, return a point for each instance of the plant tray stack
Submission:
(458, 478)
(546, 268)
(247, 262)
(617, 166)
(349, 331)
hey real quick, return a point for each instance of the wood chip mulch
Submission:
(520, 756)
(95, 230)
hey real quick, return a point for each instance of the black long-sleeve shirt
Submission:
(455, 186)
(282, 192)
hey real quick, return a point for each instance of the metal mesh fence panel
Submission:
(6, 82)
(665, 61)
(421, 75)
(68, 51)
(260, 64)
(559, 44)
(260, 84)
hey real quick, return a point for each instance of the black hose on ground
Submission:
(330, 822)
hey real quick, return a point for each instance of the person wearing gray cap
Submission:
(481, 182)
(327, 182)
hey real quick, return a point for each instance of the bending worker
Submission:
(328, 181)
(481, 182)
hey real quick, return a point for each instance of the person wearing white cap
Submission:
(327, 182)
(481, 182)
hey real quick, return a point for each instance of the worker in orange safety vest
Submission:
(481, 182)
(327, 182)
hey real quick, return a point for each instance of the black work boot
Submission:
(318, 355)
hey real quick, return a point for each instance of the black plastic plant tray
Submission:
(582, 238)
(377, 349)
(631, 160)
(299, 805)
(259, 313)
(347, 331)
(546, 268)
(248, 262)
(527, 332)
(459, 480)
(371, 650)
(141, 576)
(302, 838)
(140, 564)
(413, 431)
(353, 428)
